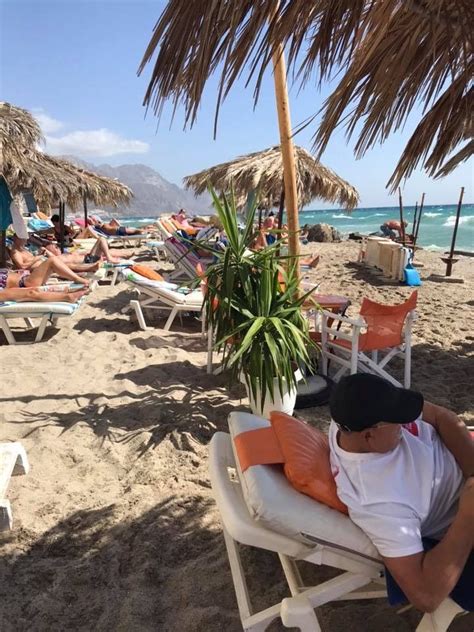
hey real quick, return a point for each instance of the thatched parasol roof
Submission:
(394, 56)
(264, 170)
(18, 127)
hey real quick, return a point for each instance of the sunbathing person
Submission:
(112, 229)
(412, 492)
(68, 234)
(26, 279)
(99, 251)
(23, 259)
(35, 294)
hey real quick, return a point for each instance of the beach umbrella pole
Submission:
(450, 260)
(420, 211)
(287, 148)
(414, 219)
(85, 211)
(402, 225)
(61, 225)
(3, 248)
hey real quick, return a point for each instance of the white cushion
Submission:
(132, 276)
(38, 307)
(273, 502)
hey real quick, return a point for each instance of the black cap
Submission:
(362, 400)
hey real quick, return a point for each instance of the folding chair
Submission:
(387, 331)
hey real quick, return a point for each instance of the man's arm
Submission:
(428, 578)
(455, 435)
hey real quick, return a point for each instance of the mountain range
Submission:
(152, 194)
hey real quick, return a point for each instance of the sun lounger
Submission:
(28, 310)
(13, 461)
(261, 509)
(184, 258)
(160, 295)
(157, 248)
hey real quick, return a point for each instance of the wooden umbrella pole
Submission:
(449, 265)
(281, 208)
(414, 219)
(402, 225)
(420, 211)
(287, 148)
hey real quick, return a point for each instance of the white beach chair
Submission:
(160, 295)
(27, 311)
(13, 461)
(260, 508)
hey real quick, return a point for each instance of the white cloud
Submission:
(49, 125)
(100, 142)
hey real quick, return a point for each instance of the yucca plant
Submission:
(253, 304)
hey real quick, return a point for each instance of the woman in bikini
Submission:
(25, 279)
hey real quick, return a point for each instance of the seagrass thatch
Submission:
(396, 58)
(17, 127)
(264, 170)
(50, 179)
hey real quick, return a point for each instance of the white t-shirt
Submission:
(399, 496)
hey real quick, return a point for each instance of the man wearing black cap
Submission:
(410, 490)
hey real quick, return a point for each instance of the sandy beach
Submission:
(115, 527)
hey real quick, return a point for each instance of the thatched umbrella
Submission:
(264, 170)
(393, 54)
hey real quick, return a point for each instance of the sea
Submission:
(436, 227)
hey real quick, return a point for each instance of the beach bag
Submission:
(411, 276)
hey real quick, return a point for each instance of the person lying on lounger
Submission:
(10, 279)
(35, 294)
(99, 251)
(69, 231)
(410, 490)
(111, 228)
(23, 259)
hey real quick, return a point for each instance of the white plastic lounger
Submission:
(160, 295)
(27, 310)
(13, 461)
(260, 508)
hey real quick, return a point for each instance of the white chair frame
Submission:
(352, 359)
(362, 577)
(46, 319)
(13, 462)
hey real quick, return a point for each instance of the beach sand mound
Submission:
(115, 527)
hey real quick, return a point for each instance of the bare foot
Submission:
(74, 297)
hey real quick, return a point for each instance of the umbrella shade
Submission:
(263, 170)
(393, 55)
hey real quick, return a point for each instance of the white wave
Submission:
(432, 214)
(433, 247)
(379, 214)
(468, 219)
(340, 216)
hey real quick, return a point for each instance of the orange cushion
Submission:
(306, 455)
(147, 272)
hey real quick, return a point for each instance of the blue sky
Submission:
(74, 63)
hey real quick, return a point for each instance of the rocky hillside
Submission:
(152, 193)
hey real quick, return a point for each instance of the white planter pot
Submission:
(283, 403)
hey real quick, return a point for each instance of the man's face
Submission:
(383, 437)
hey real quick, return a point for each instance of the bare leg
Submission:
(47, 268)
(101, 247)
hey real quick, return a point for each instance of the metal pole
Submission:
(85, 211)
(402, 225)
(61, 225)
(3, 248)
(281, 208)
(419, 220)
(449, 264)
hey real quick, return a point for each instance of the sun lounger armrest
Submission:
(360, 322)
